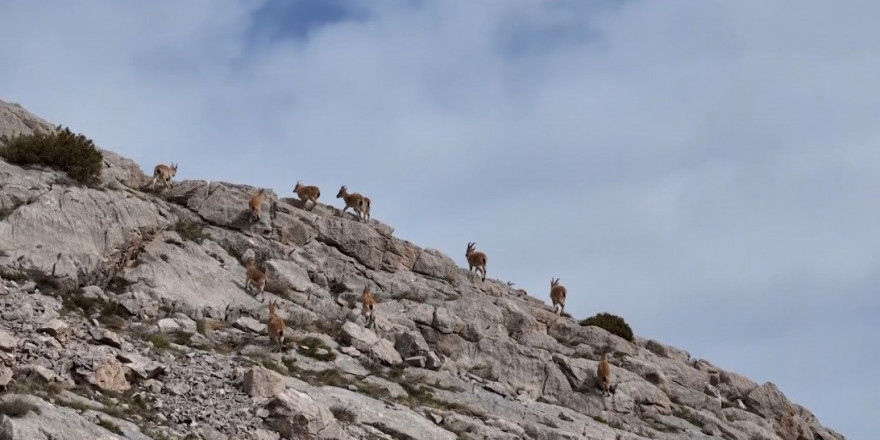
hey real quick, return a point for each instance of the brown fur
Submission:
(255, 276)
(603, 372)
(367, 204)
(164, 172)
(476, 260)
(275, 327)
(354, 201)
(557, 295)
(307, 193)
(369, 307)
(256, 204)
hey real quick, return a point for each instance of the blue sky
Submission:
(708, 170)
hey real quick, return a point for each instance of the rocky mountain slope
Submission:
(124, 315)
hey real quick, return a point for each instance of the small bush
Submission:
(18, 407)
(77, 301)
(72, 153)
(110, 426)
(315, 349)
(6, 211)
(118, 285)
(613, 323)
(343, 414)
(159, 341)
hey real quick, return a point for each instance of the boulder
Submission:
(261, 382)
(50, 422)
(367, 341)
(7, 341)
(108, 374)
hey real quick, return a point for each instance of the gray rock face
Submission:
(146, 323)
(260, 382)
(49, 422)
(366, 341)
(72, 230)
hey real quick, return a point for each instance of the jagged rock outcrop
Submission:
(125, 311)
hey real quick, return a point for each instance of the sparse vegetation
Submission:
(181, 338)
(684, 413)
(109, 312)
(110, 426)
(18, 406)
(612, 323)
(329, 376)
(190, 230)
(405, 295)
(391, 432)
(344, 415)
(328, 326)
(274, 366)
(159, 340)
(72, 153)
(124, 405)
(118, 285)
(6, 211)
(47, 283)
(422, 395)
(316, 349)
(610, 423)
(202, 326)
(451, 276)
(36, 387)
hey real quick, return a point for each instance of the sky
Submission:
(707, 170)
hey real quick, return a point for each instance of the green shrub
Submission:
(613, 323)
(72, 153)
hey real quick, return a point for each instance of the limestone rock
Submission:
(411, 343)
(299, 415)
(261, 382)
(108, 374)
(106, 337)
(54, 327)
(433, 263)
(249, 324)
(49, 422)
(483, 360)
(141, 367)
(7, 341)
(5, 375)
(367, 341)
(168, 325)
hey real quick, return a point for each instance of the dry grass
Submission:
(344, 415)
(315, 349)
(18, 406)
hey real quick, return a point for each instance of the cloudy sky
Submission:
(708, 170)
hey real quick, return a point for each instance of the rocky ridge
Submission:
(124, 316)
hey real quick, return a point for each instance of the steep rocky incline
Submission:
(124, 315)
